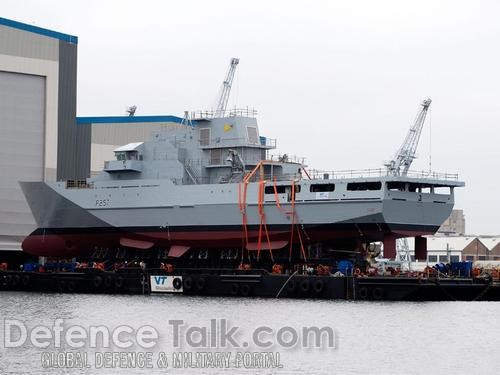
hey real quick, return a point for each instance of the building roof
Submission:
(39, 30)
(127, 119)
(456, 243)
(490, 242)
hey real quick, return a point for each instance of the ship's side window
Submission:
(204, 136)
(363, 186)
(445, 190)
(319, 188)
(419, 188)
(281, 189)
(396, 186)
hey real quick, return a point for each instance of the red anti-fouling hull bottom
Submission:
(83, 242)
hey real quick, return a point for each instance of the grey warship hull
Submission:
(159, 214)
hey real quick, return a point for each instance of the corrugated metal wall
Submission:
(22, 130)
(73, 142)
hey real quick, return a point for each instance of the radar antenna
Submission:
(401, 162)
(131, 110)
(226, 88)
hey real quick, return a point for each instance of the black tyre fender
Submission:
(108, 281)
(245, 290)
(305, 285)
(177, 283)
(318, 286)
(200, 283)
(97, 282)
(235, 289)
(25, 280)
(61, 285)
(188, 283)
(363, 293)
(377, 293)
(118, 282)
(16, 280)
(70, 286)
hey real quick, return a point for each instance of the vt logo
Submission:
(160, 280)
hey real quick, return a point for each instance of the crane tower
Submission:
(401, 162)
(400, 165)
(226, 88)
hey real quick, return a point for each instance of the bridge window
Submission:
(318, 188)
(363, 186)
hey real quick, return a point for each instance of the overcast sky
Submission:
(338, 82)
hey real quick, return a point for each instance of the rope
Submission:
(242, 191)
(483, 292)
(286, 282)
(263, 223)
(293, 221)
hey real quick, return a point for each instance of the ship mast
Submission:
(226, 88)
(401, 162)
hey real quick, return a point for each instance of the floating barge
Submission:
(255, 283)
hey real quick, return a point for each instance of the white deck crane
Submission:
(400, 165)
(226, 88)
(401, 162)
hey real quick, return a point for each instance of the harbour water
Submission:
(370, 337)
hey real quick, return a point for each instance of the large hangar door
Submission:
(22, 139)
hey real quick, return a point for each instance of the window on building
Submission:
(454, 258)
(482, 257)
(433, 258)
(469, 257)
(443, 258)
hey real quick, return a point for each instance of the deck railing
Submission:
(235, 112)
(379, 172)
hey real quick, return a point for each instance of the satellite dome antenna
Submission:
(131, 110)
